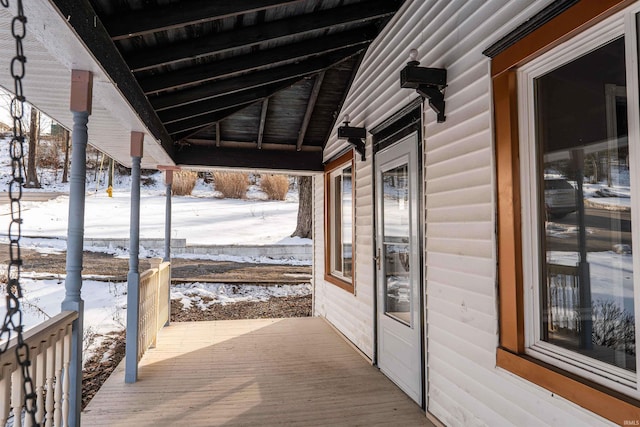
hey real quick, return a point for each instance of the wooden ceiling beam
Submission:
(361, 13)
(197, 155)
(255, 61)
(252, 80)
(309, 111)
(198, 124)
(263, 120)
(179, 14)
(223, 102)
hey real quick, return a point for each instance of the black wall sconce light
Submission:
(354, 136)
(428, 82)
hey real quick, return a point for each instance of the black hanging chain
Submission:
(13, 318)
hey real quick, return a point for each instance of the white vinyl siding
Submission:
(465, 387)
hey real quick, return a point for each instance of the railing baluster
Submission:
(50, 386)
(40, 380)
(65, 380)
(57, 401)
(5, 393)
(17, 397)
(28, 421)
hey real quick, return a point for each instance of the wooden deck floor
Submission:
(294, 372)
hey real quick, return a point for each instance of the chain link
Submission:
(13, 318)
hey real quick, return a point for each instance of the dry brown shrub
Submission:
(49, 153)
(275, 186)
(232, 185)
(183, 183)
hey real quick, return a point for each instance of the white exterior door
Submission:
(399, 289)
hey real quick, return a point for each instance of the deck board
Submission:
(252, 372)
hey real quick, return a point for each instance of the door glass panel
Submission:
(396, 249)
(585, 216)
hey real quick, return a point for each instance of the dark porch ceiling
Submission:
(244, 83)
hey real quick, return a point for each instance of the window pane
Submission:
(586, 267)
(336, 230)
(396, 243)
(347, 221)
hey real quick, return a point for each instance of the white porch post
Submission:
(80, 105)
(168, 180)
(133, 278)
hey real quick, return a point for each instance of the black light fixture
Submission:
(428, 82)
(354, 136)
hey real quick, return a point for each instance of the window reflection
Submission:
(587, 268)
(342, 231)
(396, 234)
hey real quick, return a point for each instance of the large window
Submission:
(577, 189)
(567, 139)
(339, 222)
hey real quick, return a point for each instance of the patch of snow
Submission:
(190, 294)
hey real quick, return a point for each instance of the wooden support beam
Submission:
(144, 59)
(252, 80)
(309, 111)
(174, 15)
(250, 145)
(255, 61)
(251, 159)
(218, 133)
(191, 111)
(137, 144)
(263, 120)
(81, 91)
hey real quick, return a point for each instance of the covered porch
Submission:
(296, 371)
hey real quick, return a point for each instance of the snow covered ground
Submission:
(201, 218)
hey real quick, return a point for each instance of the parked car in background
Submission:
(559, 197)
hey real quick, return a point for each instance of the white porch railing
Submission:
(154, 305)
(563, 298)
(50, 353)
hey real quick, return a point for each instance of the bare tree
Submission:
(65, 168)
(34, 136)
(304, 228)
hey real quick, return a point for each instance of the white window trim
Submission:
(623, 23)
(333, 191)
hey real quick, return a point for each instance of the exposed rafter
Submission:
(263, 120)
(262, 76)
(309, 111)
(211, 44)
(252, 80)
(199, 122)
(223, 102)
(255, 61)
(175, 15)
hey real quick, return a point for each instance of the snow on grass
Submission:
(200, 219)
(203, 295)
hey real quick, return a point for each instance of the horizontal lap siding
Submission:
(350, 314)
(464, 386)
